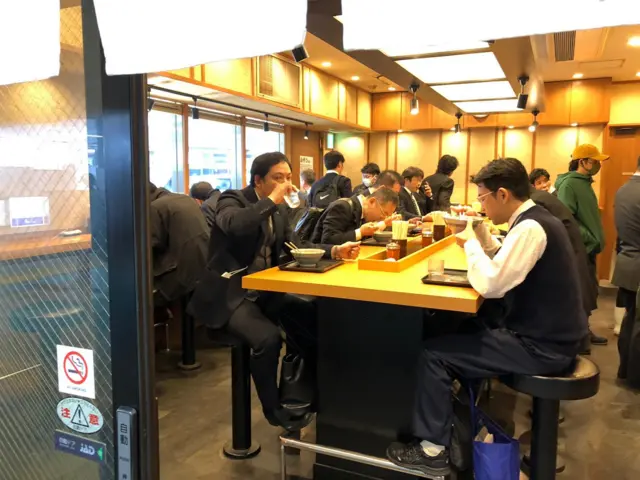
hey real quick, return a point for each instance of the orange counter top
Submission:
(348, 282)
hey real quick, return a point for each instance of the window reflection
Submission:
(213, 153)
(165, 150)
(259, 141)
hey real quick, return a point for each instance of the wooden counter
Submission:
(46, 243)
(350, 283)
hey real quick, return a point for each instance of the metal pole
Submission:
(241, 397)
(544, 440)
(283, 463)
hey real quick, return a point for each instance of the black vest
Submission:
(547, 305)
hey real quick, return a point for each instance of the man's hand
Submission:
(281, 191)
(389, 220)
(347, 251)
(415, 221)
(466, 235)
(368, 229)
(427, 189)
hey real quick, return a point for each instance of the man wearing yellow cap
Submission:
(575, 191)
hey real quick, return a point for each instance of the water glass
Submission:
(293, 199)
(436, 268)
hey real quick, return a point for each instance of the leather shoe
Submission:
(597, 340)
(283, 418)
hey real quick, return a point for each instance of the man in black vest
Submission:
(248, 236)
(538, 337)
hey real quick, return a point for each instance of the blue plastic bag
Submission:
(499, 460)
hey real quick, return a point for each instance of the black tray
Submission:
(323, 265)
(372, 242)
(451, 278)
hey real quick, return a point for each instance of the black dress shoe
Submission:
(597, 340)
(283, 418)
(412, 456)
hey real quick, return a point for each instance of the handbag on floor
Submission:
(498, 460)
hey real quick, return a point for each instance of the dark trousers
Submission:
(481, 354)
(629, 340)
(258, 324)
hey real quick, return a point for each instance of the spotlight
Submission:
(150, 103)
(457, 128)
(306, 132)
(300, 53)
(266, 123)
(523, 97)
(195, 113)
(414, 105)
(533, 127)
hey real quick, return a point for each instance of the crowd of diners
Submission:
(541, 275)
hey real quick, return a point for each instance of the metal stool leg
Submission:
(544, 440)
(188, 342)
(166, 337)
(241, 446)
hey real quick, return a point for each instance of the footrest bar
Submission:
(344, 455)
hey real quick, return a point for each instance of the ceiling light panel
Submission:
(475, 91)
(455, 68)
(489, 106)
(404, 49)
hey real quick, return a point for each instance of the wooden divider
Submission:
(377, 261)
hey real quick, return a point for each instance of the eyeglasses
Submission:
(384, 214)
(481, 198)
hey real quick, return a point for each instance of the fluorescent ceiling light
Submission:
(403, 49)
(455, 68)
(475, 91)
(489, 106)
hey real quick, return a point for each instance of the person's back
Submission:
(207, 197)
(179, 237)
(333, 185)
(627, 219)
(441, 182)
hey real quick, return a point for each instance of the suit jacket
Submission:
(441, 189)
(407, 208)
(179, 238)
(340, 221)
(627, 217)
(208, 208)
(588, 286)
(362, 189)
(238, 233)
(344, 186)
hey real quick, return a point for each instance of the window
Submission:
(258, 142)
(165, 150)
(213, 153)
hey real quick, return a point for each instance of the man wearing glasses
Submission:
(535, 338)
(357, 217)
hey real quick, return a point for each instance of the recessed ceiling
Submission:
(407, 50)
(489, 106)
(475, 91)
(468, 67)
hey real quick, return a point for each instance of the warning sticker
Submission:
(75, 371)
(80, 415)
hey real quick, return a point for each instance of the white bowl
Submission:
(307, 257)
(458, 224)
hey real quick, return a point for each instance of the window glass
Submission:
(258, 142)
(213, 153)
(165, 151)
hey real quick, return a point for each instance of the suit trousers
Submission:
(480, 354)
(629, 340)
(257, 322)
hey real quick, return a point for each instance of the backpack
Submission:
(316, 237)
(307, 222)
(325, 195)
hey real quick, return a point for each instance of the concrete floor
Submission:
(600, 438)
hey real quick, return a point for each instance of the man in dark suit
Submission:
(333, 185)
(206, 196)
(370, 174)
(179, 238)
(441, 182)
(248, 236)
(352, 219)
(627, 276)
(307, 179)
(409, 201)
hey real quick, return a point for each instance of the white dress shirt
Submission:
(493, 276)
(415, 202)
(361, 199)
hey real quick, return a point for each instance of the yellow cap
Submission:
(588, 151)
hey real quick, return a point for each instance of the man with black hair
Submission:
(249, 235)
(352, 219)
(409, 201)
(307, 179)
(333, 185)
(537, 338)
(441, 182)
(370, 174)
(393, 180)
(207, 197)
(539, 178)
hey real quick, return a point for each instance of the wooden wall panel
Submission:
(456, 144)
(518, 143)
(419, 149)
(392, 150)
(440, 119)
(482, 151)
(299, 146)
(593, 134)
(324, 94)
(351, 106)
(386, 111)
(553, 149)
(414, 122)
(557, 99)
(469, 121)
(378, 149)
(364, 109)
(590, 101)
(354, 147)
(625, 104)
(515, 119)
(231, 74)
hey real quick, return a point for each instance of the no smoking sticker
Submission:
(75, 371)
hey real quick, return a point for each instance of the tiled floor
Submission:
(600, 438)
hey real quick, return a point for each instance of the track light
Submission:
(150, 103)
(457, 128)
(534, 125)
(195, 112)
(415, 106)
(266, 122)
(306, 132)
(300, 53)
(523, 97)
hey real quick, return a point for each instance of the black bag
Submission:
(461, 453)
(306, 225)
(297, 384)
(326, 194)
(316, 236)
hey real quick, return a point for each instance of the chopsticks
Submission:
(291, 245)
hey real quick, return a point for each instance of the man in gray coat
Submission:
(627, 276)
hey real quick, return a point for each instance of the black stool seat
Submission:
(581, 381)
(223, 337)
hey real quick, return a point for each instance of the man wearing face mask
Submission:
(370, 174)
(575, 191)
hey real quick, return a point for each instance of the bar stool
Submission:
(188, 361)
(240, 447)
(583, 381)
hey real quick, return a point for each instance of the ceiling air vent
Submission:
(565, 46)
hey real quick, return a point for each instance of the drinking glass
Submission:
(436, 268)
(292, 199)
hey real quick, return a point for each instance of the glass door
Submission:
(75, 382)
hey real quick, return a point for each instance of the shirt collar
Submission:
(521, 209)
(361, 199)
(257, 194)
(408, 191)
(332, 171)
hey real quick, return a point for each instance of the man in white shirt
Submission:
(536, 338)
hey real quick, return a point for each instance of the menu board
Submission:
(29, 211)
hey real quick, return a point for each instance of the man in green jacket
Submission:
(575, 191)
